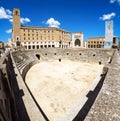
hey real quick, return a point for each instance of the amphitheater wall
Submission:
(8, 110)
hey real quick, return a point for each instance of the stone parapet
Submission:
(107, 104)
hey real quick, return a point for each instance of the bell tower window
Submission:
(16, 12)
(17, 38)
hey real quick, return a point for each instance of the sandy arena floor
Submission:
(58, 85)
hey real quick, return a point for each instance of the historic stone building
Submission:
(32, 37)
(77, 39)
(1, 45)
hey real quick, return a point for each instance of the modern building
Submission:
(31, 37)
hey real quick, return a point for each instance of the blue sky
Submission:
(87, 16)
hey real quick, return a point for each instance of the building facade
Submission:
(77, 39)
(96, 42)
(1, 45)
(31, 37)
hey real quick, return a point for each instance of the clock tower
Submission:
(16, 26)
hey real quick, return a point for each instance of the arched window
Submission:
(17, 38)
(16, 12)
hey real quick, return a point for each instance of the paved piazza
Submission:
(57, 86)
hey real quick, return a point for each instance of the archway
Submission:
(18, 43)
(38, 56)
(77, 42)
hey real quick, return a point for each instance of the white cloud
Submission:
(5, 13)
(24, 20)
(11, 20)
(9, 31)
(113, 1)
(8, 11)
(108, 16)
(51, 22)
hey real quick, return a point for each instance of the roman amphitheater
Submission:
(55, 84)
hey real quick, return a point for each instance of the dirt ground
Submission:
(58, 85)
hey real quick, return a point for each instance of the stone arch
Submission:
(18, 43)
(77, 42)
(38, 56)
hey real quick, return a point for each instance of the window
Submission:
(17, 38)
(37, 46)
(29, 47)
(114, 40)
(33, 46)
(16, 12)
